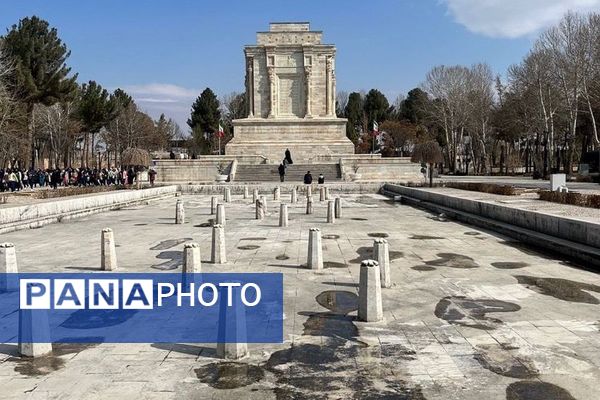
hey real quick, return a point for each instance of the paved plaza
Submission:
(470, 314)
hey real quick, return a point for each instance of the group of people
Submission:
(15, 179)
(287, 161)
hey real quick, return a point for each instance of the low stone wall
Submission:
(286, 188)
(368, 168)
(584, 232)
(39, 214)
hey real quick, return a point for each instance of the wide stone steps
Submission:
(294, 172)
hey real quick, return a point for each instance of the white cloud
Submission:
(513, 18)
(161, 90)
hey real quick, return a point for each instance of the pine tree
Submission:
(204, 119)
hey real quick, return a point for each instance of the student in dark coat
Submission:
(321, 179)
(281, 170)
(307, 178)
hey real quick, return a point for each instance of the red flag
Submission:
(221, 132)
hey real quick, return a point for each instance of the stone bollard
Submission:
(227, 195)
(283, 215)
(294, 196)
(315, 249)
(232, 329)
(108, 258)
(213, 205)
(245, 192)
(8, 265)
(220, 220)
(264, 200)
(254, 195)
(218, 255)
(192, 263)
(370, 308)
(179, 212)
(322, 193)
(260, 208)
(309, 205)
(338, 207)
(330, 212)
(381, 253)
(34, 333)
(327, 193)
(308, 191)
(276, 193)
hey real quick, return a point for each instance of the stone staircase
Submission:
(294, 172)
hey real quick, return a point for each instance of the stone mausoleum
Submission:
(290, 89)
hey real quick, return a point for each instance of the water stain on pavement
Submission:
(229, 375)
(282, 257)
(167, 244)
(333, 264)
(510, 367)
(248, 247)
(423, 268)
(254, 238)
(378, 235)
(425, 237)
(359, 219)
(330, 236)
(472, 233)
(536, 390)
(459, 310)
(204, 225)
(40, 366)
(365, 253)
(510, 265)
(562, 289)
(452, 260)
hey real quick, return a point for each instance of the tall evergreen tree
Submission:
(376, 106)
(204, 119)
(414, 107)
(354, 113)
(40, 74)
(93, 111)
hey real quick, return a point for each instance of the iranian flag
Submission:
(375, 128)
(221, 132)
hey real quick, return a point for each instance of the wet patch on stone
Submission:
(510, 265)
(333, 264)
(40, 366)
(330, 236)
(229, 375)
(248, 247)
(174, 260)
(282, 257)
(423, 268)
(338, 301)
(140, 224)
(254, 238)
(506, 365)
(459, 310)
(378, 235)
(204, 225)
(425, 237)
(359, 219)
(562, 289)
(472, 233)
(452, 260)
(167, 244)
(365, 253)
(536, 390)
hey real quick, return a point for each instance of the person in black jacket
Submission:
(307, 178)
(288, 156)
(281, 170)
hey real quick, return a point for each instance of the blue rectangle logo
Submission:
(141, 308)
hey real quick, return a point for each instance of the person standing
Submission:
(152, 175)
(321, 179)
(308, 178)
(281, 172)
(288, 156)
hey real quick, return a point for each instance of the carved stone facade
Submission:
(290, 89)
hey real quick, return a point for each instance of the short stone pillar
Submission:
(330, 212)
(309, 205)
(558, 181)
(232, 330)
(381, 254)
(260, 208)
(245, 192)
(308, 191)
(8, 267)
(264, 200)
(322, 193)
(138, 180)
(327, 193)
(227, 195)
(108, 257)
(213, 205)
(34, 333)
(338, 207)
(315, 249)
(220, 220)
(218, 254)
(276, 193)
(254, 195)
(294, 196)
(370, 308)
(179, 212)
(192, 263)
(283, 215)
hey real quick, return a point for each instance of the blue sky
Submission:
(166, 52)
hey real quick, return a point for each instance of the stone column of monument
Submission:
(273, 91)
(307, 72)
(329, 88)
(250, 87)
